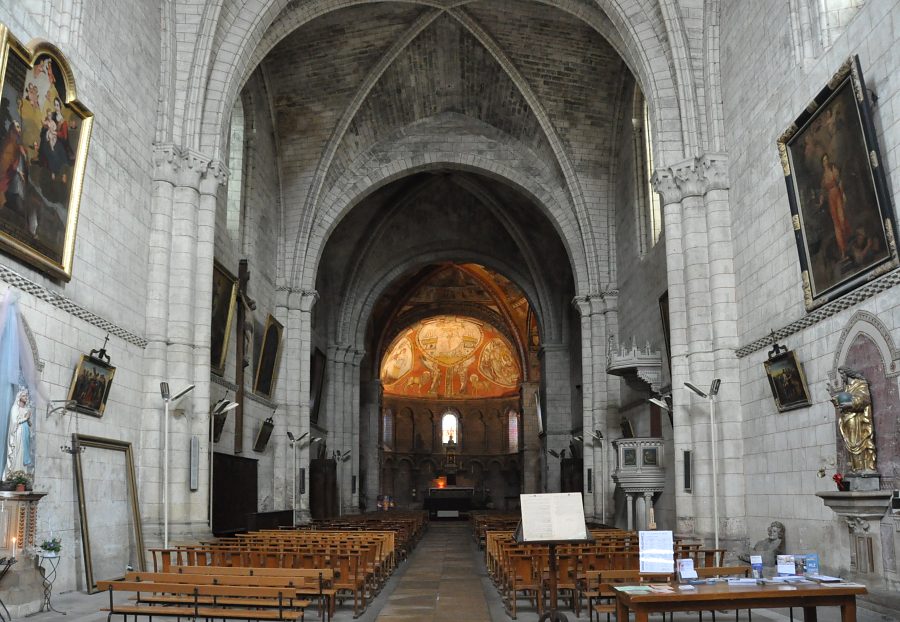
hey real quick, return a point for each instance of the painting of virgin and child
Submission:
(842, 217)
(43, 147)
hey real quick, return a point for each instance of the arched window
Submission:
(449, 427)
(513, 431)
(387, 429)
(236, 173)
(648, 211)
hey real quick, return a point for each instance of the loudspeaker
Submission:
(352, 484)
(688, 472)
(301, 480)
(590, 480)
(265, 431)
(895, 502)
(195, 463)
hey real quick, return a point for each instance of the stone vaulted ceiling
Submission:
(356, 77)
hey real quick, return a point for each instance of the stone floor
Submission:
(443, 580)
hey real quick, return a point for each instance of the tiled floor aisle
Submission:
(442, 582)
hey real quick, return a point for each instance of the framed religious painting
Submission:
(317, 383)
(224, 295)
(44, 135)
(269, 355)
(787, 381)
(840, 207)
(90, 385)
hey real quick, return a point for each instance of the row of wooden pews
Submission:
(325, 563)
(584, 570)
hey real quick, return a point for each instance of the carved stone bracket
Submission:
(857, 508)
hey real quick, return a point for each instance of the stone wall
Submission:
(767, 80)
(114, 52)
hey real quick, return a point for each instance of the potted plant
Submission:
(51, 547)
(20, 480)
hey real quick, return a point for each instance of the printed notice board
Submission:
(553, 517)
(656, 551)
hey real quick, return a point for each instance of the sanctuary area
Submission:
(303, 266)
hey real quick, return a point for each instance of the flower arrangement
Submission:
(19, 478)
(53, 545)
(839, 481)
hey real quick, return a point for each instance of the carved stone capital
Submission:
(166, 161)
(583, 304)
(715, 171)
(664, 183)
(216, 175)
(308, 298)
(689, 176)
(192, 167)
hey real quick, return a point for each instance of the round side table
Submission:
(48, 562)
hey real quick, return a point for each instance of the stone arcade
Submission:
(488, 230)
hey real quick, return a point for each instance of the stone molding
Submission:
(824, 312)
(215, 176)
(165, 163)
(865, 323)
(71, 307)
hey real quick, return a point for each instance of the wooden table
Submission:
(723, 596)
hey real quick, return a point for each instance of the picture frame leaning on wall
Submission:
(840, 205)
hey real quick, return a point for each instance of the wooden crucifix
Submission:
(240, 356)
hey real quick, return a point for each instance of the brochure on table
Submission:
(552, 517)
(656, 552)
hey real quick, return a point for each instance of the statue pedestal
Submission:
(865, 481)
(22, 587)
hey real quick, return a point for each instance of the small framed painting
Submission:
(840, 207)
(787, 381)
(90, 385)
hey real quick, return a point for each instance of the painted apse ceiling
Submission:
(460, 333)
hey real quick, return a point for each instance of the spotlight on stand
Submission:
(711, 396)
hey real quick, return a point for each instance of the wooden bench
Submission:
(317, 583)
(204, 601)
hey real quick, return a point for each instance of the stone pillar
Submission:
(166, 163)
(599, 396)
(531, 442)
(703, 338)
(558, 401)
(182, 337)
(351, 431)
(211, 181)
(370, 441)
(294, 310)
(629, 509)
(640, 512)
(648, 505)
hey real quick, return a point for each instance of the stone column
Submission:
(629, 509)
(166, 162)
(370, 440)
(558, 401)
(704, 335)
(294, 310)
(211, 181)
(531, 442)
(351, 431)
(648, 505)
(182, 340)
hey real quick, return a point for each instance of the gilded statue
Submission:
(854, 405)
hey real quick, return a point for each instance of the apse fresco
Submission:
(450, 357)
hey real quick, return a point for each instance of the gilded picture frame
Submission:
(89, 490)
(840, 205)
(44, 135)
(224, 296)
(90, 385)
(787, 381)
(269, 356)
